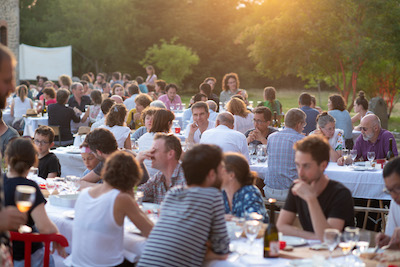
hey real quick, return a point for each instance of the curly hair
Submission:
(21, 154)
(143, 100)
(227, 77)
(122, 171)
(237, 107)
(50, 92)
(116, 115)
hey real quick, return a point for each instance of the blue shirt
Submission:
(343, 121)
(311, 119)
(281, 169)
(246, 200)
(143, 88)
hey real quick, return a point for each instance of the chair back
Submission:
(28, 238)
(56, 130)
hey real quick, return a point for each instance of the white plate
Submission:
(69, 214)
(363, 168)
(293, 241)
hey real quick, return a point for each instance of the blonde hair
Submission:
(237, 106)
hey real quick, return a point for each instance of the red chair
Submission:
(35, 237)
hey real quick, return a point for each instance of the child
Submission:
(49, 166)
(88, 158)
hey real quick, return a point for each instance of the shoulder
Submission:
(338, 189)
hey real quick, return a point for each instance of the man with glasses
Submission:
(49, 166)
(391, 175)
(262, 128)
(281, 171)
(372, 138)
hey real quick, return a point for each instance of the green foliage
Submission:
(174, 61)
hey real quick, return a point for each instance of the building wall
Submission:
(9, 17)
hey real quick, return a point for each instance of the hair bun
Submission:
(361, 94)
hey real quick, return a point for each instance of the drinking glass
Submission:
(50, 185)
(252, 149)
(251, 228)
(331, 239)
(351, 235)
(353, 154)
(139, 197)
(73, 183)
(371, 156)
(25, 196)
(238, 226)
(346, 157)
(262, 153)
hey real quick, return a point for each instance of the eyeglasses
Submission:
(37, 142)
(364, 129)
(395, 190)
(258, 121)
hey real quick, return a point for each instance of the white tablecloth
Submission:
(362, 184)
(7, 116)
(71, 164)
(32, 123)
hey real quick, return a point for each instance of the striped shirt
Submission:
(281, 169)
(190, 216)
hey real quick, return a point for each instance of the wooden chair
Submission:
(56, 130)
(381, 211)
(28, 238)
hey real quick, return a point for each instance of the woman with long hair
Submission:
(151, 75)
(93, 110)
(115, 122)
(271, 102)
(21, 155)
(100, 212)
(19, 105)
(243, 117)
(230, 87)
(337, 109)
(240, 194)
(118, 89)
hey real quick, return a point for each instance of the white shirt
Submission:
(145, 143)
(197, 133)
(243, 124)
(98, 123)
(130, 102)
(393, 218)
(120, 133)
(227, 139)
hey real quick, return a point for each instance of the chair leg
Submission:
(366, 214)
(383, 223)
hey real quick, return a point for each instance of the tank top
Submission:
(97, 240)
(20, 107)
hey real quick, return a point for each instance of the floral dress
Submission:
(246, 200)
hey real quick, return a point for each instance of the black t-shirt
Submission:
(256, 142)
(49, 164)
(85, 100)
(335, 201)
(10, 185)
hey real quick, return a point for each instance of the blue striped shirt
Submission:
(189, 218)
(281, 169)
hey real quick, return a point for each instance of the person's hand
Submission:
(136, 116)
(395, 240)
(11, 218)
(259, 137)
(193, 127)
(340, 161)
(210, 255)
(382, 240)
(60, 250)
(77, 111)
(303, 190)
(251, 137)
(148, 154)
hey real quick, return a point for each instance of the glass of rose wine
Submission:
(24, 198)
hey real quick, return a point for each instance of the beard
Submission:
(367, 137)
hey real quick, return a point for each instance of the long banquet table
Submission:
(362, 184)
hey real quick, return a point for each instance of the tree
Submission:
(329, 40)
(174, 61)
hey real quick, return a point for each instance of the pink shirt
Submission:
(175, 104)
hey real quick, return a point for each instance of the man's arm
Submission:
(285, 225)
(91, 177)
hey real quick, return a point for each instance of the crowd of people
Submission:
(199, 185)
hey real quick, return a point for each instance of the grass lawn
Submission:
(289, 99)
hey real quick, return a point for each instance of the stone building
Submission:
(9, 24)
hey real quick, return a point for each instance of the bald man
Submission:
(225, 137)
(372, 138)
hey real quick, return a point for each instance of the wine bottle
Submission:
(271, 238)
(44, 110)
(390, 153)
(275, 121)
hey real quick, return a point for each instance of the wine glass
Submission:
(251, 228)
(331, 239)
(371, 157)
(353, 154)
(346, 156)
(139, 197)
(252, 149)
(50, 185)
(238, 226)
(262, 153)
(25, 196)
(73, 183)
(351, 235)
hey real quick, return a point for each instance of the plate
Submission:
(293, 241)
(70, 214)
(363, 168)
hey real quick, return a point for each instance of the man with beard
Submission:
(164, 155)
(10, 217)
(191, 227)
(372, 138)
(321, 203)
